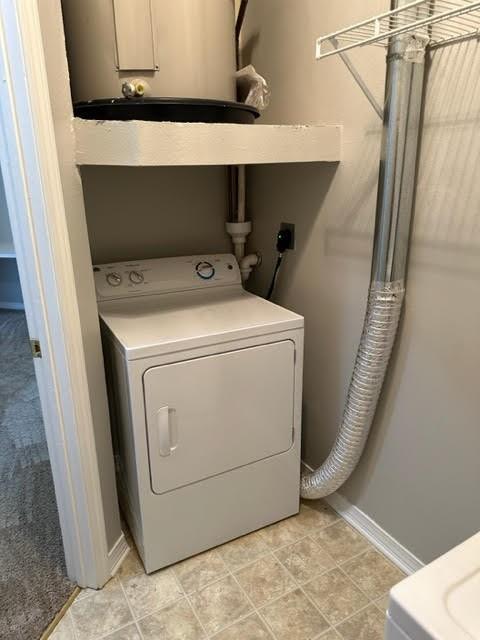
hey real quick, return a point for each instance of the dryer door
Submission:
(213, 414)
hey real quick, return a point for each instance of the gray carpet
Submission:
(33, 581)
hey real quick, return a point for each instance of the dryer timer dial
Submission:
(205, 270)
(136, 277)
(114, 279)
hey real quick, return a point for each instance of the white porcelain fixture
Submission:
(441, 601)
(205, 386)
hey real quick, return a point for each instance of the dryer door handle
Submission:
(167, 430)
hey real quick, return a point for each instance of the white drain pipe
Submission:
(241, 228)
(402, 115)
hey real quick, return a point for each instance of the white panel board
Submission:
(134, 35)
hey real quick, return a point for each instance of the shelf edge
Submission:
(137, 143)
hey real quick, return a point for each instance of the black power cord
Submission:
(284, 240)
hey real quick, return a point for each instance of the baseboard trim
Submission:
(117, 554)
(12, 306)
(383, 541)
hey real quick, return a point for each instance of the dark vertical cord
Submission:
(285, 240)
(274, 277)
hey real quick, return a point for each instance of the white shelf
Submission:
(438, 21)
(6, 250)
(144, 144)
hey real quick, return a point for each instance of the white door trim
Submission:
(30, 168)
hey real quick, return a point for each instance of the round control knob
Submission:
(205, 270)
(136, 277)
(114, 279)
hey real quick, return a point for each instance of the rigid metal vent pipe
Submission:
(398, 162)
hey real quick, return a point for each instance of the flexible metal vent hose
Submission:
(381, 322)
(401, 123)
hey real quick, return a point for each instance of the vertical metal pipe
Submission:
(398, 162)
(238, 29)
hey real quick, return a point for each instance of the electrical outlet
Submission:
(291, 228)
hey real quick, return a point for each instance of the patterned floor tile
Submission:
(335, 595)
(345, 584)
(313, 518)
(251, 628)
(369, 624)
(373, 573)
(127, 633)
(282, 533)
(131, 566)
(84, 593)
(147, 593)
(220, 604)
(175, 622)
(64, 629)
(195, 573)
(331, 634)
(101, 613)
(341, 541)
(265, 580)
(243, 550)
(293, 617)
(382, 603)
(305, 559)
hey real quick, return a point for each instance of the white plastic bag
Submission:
(252, 88)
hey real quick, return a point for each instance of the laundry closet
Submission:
(155, 190)
(237, 194)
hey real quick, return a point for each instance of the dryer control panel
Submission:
(165, 275)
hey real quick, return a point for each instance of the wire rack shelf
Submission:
(440, 21)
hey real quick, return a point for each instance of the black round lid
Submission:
(167, 110)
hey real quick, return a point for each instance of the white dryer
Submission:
(205, 387)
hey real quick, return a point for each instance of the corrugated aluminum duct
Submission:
(401, 124)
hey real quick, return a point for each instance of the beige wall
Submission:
(155, 212)
(420, 476)
(137, 213)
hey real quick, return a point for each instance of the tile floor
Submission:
(306, 578)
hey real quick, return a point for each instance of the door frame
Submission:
(30, 168)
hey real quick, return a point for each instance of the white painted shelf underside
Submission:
(142, 144)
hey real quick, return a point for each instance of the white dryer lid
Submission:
(147, 326)
(441, 601)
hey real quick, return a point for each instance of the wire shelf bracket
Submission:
(441, 21)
